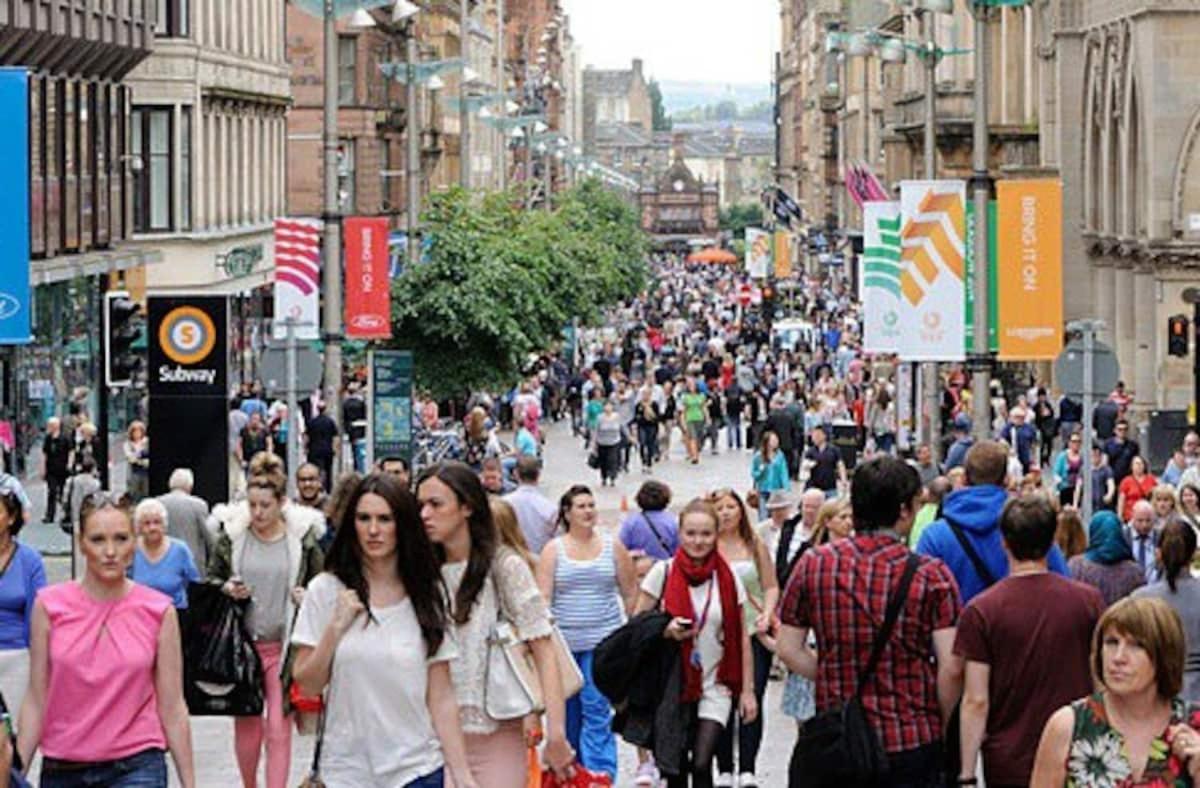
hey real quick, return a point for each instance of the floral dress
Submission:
(1097, 758)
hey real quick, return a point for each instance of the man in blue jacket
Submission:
(975, 511)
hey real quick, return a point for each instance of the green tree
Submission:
(661, 120)
(736, 218)
(501, 282)
(725, 110)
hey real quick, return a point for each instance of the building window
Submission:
(185, 168)
(346, 176)
(172, 21)
(347, 69)
(385, 175)
(151, 136)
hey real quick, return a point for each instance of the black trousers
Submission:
(54, 488)
(749, 734)
(922, 767)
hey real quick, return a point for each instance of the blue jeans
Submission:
(589, 722)
(432, 780)
(360, 455)
(733, 432)
(146, 769)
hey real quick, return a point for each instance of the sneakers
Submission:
(724, 780)
(747, 780)
(647, 774)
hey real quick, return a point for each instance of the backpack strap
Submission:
(889, 622)
(981, 568)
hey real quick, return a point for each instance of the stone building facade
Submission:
(615, 96)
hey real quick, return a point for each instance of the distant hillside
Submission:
(681, 96)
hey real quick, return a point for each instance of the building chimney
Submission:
(637, 66)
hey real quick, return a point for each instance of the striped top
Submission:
(587, 600)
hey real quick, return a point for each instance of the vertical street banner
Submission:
(932, 248)
(188, 386)
(758, 252)
(368, 292)
(880, 277)
(969, 289)
(390, 404)
(297, 277)
(783, 254)
(1029, 259)
(14, 218)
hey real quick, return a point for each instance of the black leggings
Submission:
(704, 745)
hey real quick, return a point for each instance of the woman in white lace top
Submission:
(486, 579)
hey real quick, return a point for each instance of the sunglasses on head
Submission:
(105, 499)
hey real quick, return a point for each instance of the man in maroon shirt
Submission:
(840, 592)
(1026, 642)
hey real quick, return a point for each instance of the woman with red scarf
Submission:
(705, 599)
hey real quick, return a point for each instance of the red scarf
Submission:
(677, 600)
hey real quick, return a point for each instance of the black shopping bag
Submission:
(222, 674)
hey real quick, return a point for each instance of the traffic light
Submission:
(1177, 335)
(122, 328)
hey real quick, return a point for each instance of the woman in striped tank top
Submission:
(589, 580)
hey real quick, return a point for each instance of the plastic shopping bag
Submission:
(581, 778)
(222, 674)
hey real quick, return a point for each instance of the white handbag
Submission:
(512, 685)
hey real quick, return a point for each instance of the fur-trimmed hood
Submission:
(234, 519)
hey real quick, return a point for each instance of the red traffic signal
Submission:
(1177, 335)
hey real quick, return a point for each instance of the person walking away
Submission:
(160, 562)
(321, 444)
(1136, 486)
(105, 656)
(606, 444)
(592, 412)
(1070, 536)
(536, 514)
(267, 552)
(1104, 488)
(706, 600)
(748, 557)
(768, 471)
(1107, 564)
(967, 536)
(646, 417)
(589, 581)
(1047, 426)
(488, 582)
(652, 533)
(1181, 591)
(828, 470)
(907, 714)
(1142, 538)
(56, 456)
(354, 417)
(1120, 450)
(186, 517)
(136, 450)
(374, 625)
(253, 439)
(22, 575)
(1134, 729)
(791, 440)
(1010, 687)
(715, 411)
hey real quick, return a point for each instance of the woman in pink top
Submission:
(105, 692)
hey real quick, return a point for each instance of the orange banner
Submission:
(783, 254)
(1029, 262)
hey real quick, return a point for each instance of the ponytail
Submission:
(1176, 545)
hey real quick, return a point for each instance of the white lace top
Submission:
(523, 606)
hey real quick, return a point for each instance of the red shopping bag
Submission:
(582, 778)
(535, 769)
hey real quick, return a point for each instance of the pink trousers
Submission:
(498, 760)
(248, 732)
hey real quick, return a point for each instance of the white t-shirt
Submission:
(716, 701)
(378, 731)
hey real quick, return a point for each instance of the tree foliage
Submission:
(500, 282)
(726, 110)
(661, 121)
(736, 218)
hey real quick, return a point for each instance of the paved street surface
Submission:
(565, 465)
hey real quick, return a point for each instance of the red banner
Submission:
(368, 291)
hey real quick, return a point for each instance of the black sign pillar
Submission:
(189, 390)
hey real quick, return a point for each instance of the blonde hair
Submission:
(508, 528)
(827, 512)
(266, 473)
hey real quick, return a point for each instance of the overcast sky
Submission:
(728, 41)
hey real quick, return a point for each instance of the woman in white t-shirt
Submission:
(373, 631)
(705, 598)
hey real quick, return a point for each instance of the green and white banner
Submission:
(880, 277)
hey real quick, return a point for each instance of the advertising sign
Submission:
(14, 215)
(368, 296)
(1029, 259)
(297, 276)
(390, 406)
(783, 254)
(880, 277)
(758, 252)
(188, 388)
(969, 299)
(932, 239)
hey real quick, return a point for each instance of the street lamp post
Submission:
(981, 186)
(332, 274)
(413, 159)
(931, 384)
(464, 111)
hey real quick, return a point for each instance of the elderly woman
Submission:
(1134, 730)
(161, 562)
(136, 449)
(1108, 563)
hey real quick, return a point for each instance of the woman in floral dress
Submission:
(1134, 731)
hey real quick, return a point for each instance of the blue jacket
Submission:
(772, 476)
(977, 512)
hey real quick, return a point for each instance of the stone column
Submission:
(1125, 318)
(1102, 296)
(1144, 374)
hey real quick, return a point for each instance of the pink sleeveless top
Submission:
(100, 698)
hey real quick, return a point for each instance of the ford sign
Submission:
(368, 322)
(9, 306)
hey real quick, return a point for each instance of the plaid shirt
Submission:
(840, 592)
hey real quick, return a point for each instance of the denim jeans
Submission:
(589, 722)
(432, 780)
(733, 432)
(146, 769)
(648, 443)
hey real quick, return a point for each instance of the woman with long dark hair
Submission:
(373, 632)
(487, 581)
(589, 580)
(1180, 590)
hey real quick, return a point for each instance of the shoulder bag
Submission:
(512, 685)
(838, 747)
(313, 779)
(661, 542)
(981, 569)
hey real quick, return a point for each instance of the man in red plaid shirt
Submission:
(840, 592)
